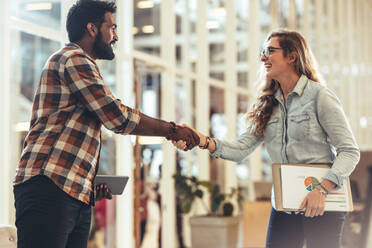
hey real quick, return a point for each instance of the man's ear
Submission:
(92, 29)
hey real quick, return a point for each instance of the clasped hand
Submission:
(187, 136)
(182, 144)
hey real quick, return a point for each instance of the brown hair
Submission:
(305, 64)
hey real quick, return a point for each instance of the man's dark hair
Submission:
(83, 12)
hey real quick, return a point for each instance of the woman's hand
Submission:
(182, 144)
(313, 204)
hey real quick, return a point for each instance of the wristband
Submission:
(171, 131)
(323, 187)
(321, 190)
(206, 145)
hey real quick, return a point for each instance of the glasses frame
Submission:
(267, 51)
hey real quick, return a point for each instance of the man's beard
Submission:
(101, 49)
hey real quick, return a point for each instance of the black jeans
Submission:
(292, 230)
(47, 217)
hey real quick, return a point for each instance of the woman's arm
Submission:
(230, 150)
(334, 122)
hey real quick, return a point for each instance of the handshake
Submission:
(186, 138)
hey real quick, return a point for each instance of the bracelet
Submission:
(171, 131)
(206, 145)
(323, 187)
(319, 187)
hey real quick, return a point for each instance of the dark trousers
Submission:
(292, 230)
(47, 217)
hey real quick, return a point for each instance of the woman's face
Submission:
(274, 61)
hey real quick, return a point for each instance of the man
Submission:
(54, 184)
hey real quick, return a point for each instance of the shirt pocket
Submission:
(271, 129)
(299, 126)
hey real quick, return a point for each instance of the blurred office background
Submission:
(195, 62)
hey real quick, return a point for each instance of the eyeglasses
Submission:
(267, 51)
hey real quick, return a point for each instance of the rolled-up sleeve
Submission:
(85, 82)
(334, 122)
(239, 149)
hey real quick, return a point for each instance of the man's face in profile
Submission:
(106, 38)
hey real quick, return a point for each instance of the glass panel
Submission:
(185, 34)
(108, 71)
(146, 28)
(43, 13)
(216, 26)
(242, 10)
(28, 55)
(149, 80)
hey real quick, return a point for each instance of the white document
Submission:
(298, 181)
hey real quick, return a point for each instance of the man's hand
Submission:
(187, 135)
(181, 144)
(102, 192)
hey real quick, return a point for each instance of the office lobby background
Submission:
(194, 62)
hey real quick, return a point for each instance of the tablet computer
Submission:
(116, 184)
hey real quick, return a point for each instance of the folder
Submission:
(339, 199)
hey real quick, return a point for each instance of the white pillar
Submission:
(202, 86)
(255, 159)
(231, 99)
(124, 148)
(5, 128)
(202, 92)
(167, 189)
(185, 51)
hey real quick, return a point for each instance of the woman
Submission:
(300, 121)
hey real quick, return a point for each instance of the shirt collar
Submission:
(298, 89)
(74, 45)
(300, 85)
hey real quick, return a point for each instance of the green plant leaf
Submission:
(207, 184)
(186, 204)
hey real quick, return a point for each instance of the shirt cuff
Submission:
(331, 176)
(218, 152)
(134, 117)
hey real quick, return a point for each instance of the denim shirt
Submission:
(310, 127)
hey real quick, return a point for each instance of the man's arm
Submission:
(83, 79)
(154, 127)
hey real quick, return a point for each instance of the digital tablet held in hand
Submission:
(116, 184)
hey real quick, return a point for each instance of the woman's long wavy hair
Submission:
(305, 63)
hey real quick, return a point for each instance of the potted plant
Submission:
(217, 229)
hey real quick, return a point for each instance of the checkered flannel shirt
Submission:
(70, 105)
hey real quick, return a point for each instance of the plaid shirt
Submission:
(70, 106)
